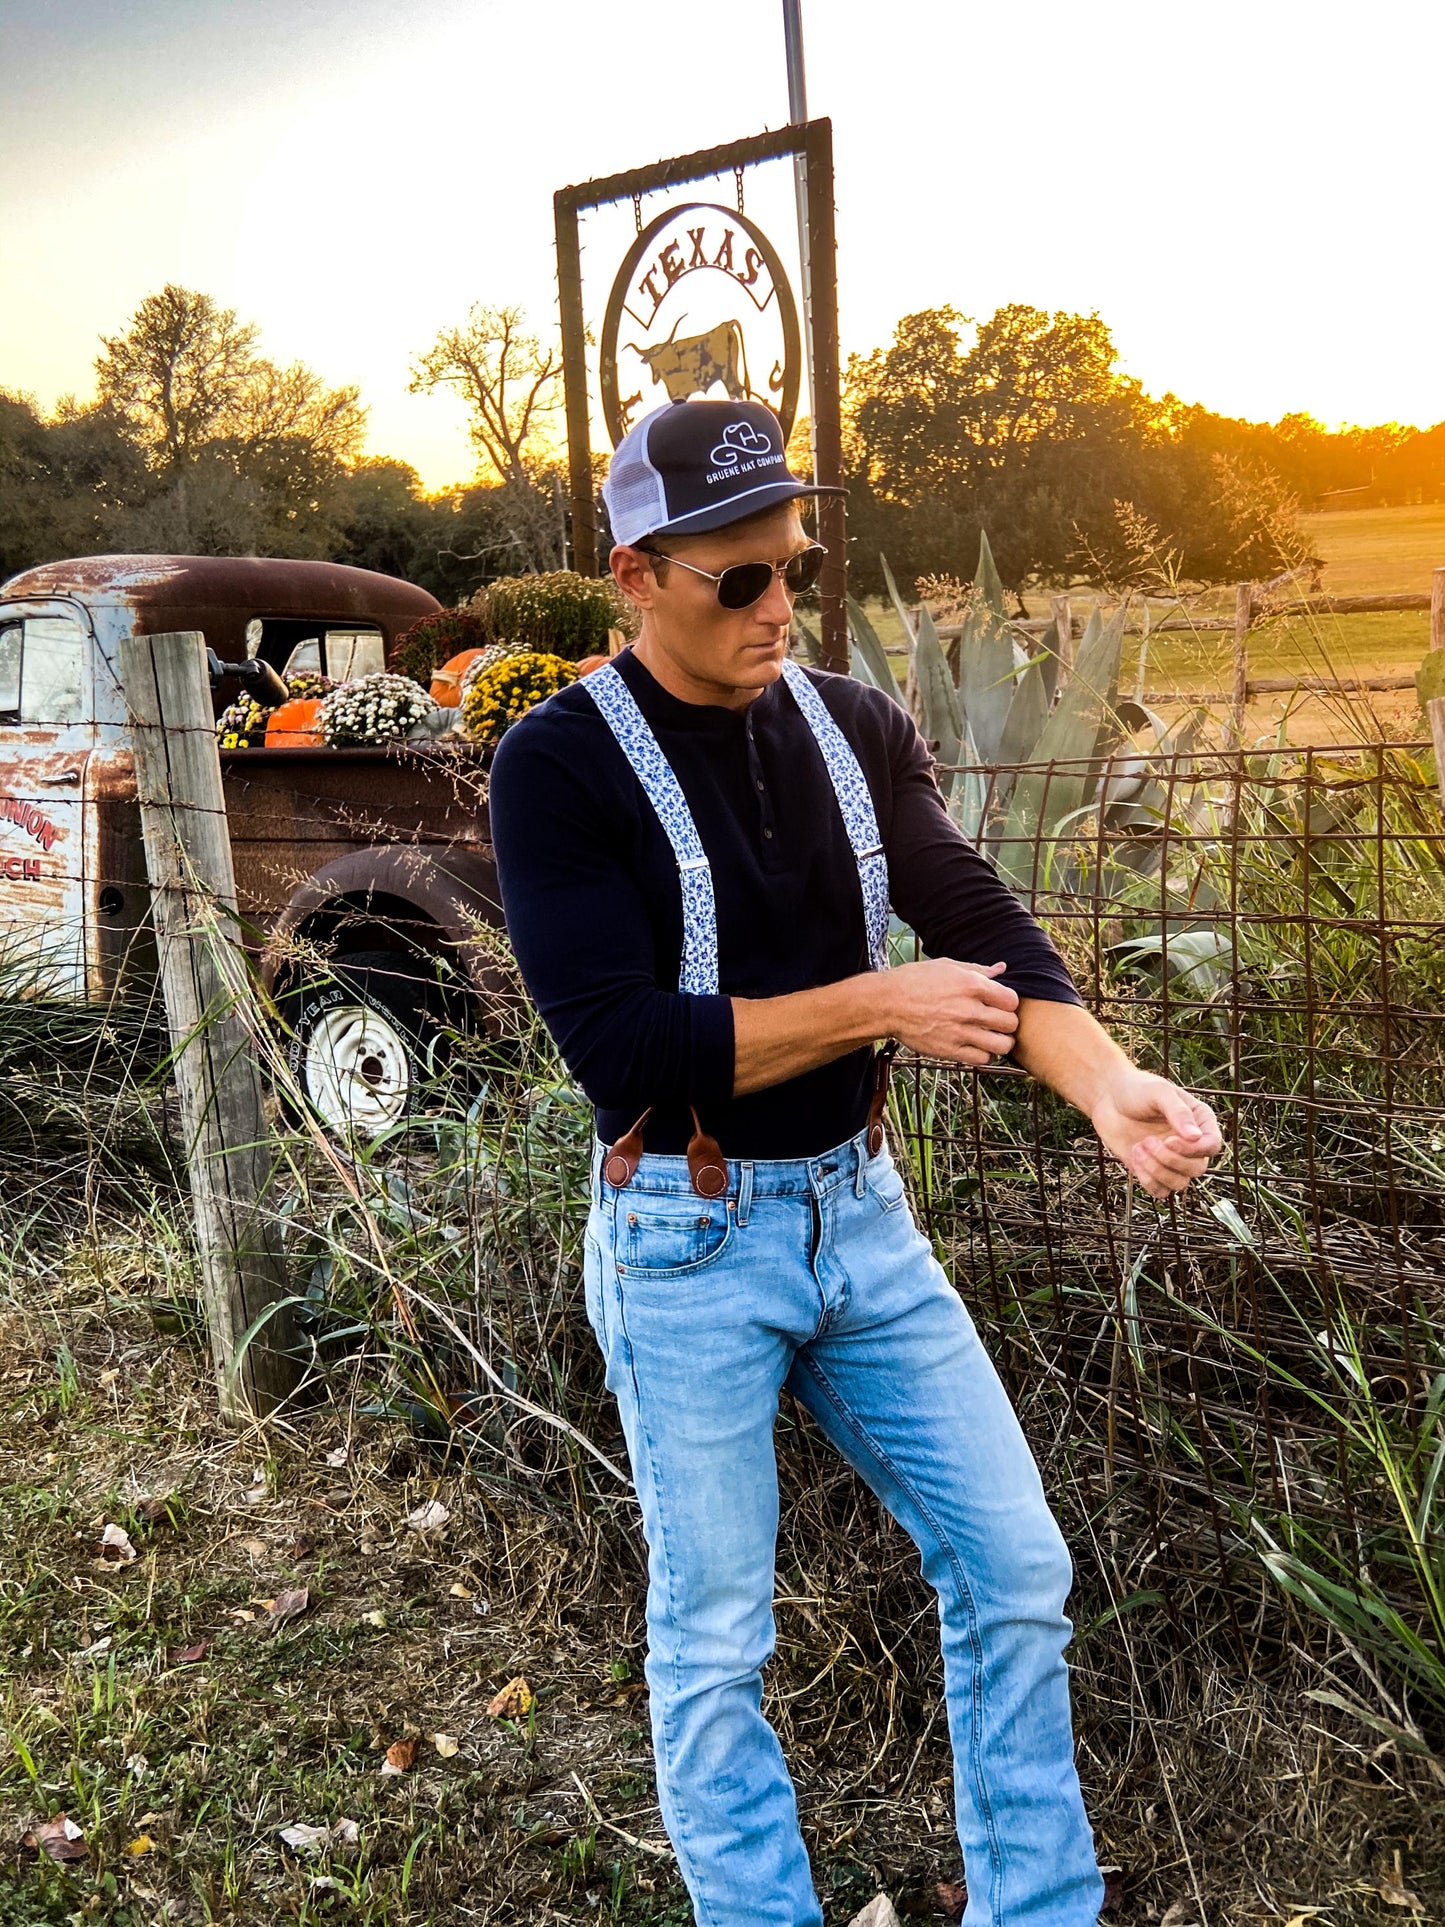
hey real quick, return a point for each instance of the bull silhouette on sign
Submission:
(699, 362)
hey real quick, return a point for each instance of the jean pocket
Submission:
(660, 1237)
(885, 1181)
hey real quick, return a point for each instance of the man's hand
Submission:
(953, 1010)
(1161, 1135)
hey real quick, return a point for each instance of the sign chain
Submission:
(738, 177)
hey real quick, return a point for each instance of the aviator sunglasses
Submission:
(745, 583)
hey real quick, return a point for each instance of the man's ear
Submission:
(632, 572)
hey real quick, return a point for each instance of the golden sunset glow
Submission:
(1222, 187)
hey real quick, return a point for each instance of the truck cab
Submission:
(378, 853)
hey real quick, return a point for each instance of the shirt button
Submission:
(760, 785)
(768, 834)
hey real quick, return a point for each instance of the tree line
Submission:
(195, 442)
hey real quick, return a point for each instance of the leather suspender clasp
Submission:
(620, 1166)
(878, 1105)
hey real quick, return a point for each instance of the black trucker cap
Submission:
(696, 465)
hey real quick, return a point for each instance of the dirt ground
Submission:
(298, 1613)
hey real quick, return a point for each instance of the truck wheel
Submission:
(362, 1039)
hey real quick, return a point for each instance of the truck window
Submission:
(353, 652)
(41, 670)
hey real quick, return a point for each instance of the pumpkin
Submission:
(589, 663)
(446, 682)
(294, 724)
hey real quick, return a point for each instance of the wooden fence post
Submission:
(1243, 617)
(1063, 617)
(210, 1015)
(1435, 710)
(1437, 609)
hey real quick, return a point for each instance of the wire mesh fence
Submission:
(1270, 930)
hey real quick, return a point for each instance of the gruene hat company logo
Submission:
(701, 302)
(740, 439)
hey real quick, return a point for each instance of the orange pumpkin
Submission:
(294, 724)
(589, 663)
(446, 682)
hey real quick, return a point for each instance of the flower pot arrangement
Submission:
(246, 724)
(507, 688)
(383, 708)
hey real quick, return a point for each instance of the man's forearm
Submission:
(776, 1038)
(1064, 1047)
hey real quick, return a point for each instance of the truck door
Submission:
(45, 737)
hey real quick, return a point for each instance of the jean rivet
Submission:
(632, 1217)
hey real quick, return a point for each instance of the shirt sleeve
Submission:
(583, 939)
(953, 896)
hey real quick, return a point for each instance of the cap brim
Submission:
(768, 496)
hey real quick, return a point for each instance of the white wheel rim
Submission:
(357, 1070)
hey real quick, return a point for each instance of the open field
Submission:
(1366, 551)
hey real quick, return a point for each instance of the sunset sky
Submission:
(1242, 191)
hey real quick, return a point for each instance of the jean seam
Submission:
(702, 1908)
(881, 1458)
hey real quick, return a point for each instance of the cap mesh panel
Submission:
(633, 491)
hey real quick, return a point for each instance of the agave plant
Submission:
(1027, 755)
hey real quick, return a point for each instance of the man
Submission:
(697, 847)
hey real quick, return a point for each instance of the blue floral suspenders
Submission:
(699, 973)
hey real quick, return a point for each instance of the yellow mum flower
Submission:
(505, 690)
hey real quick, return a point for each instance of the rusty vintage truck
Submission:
(364, 877)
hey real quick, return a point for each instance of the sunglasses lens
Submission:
(744, 584)
(803, 570)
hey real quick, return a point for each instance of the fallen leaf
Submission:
(514, 1702)
(257, 1548)
(287, 1605)
(377, 1618)
(243, 1613)
(336, 1500)
(302, 1547)
(60, 1839)
(428, 1517)
(878, 1913)
(152, 1511)
(115, 1546)
(97, 1649)
(400, 1757)
(1181, 1913)
(338, 1456)
(950, 1899)
(459, 1591)
(304, 1839)
(1394, 1895)
(1113, 1889)
(187, 1655)
(108, 1378)
(141, 1844)
(446, 1745)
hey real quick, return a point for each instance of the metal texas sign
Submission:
(701, 302)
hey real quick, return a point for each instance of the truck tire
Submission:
(363, 1038)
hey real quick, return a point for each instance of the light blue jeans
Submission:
(813, 1275)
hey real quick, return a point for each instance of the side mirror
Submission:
(253, 674)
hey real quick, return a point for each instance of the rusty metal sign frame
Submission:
(812, 142)
(787, 402)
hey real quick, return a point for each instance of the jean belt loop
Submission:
(745, 1190)
(860, 1164)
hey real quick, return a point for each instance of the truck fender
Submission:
(453, 888)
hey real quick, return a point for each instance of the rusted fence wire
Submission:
(1270, 929)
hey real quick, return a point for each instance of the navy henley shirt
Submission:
(593, 901)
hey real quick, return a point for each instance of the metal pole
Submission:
(574, 384)
(797, 114)
(827, 416)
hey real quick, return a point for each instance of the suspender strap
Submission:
(664, 793)
(855, 805)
